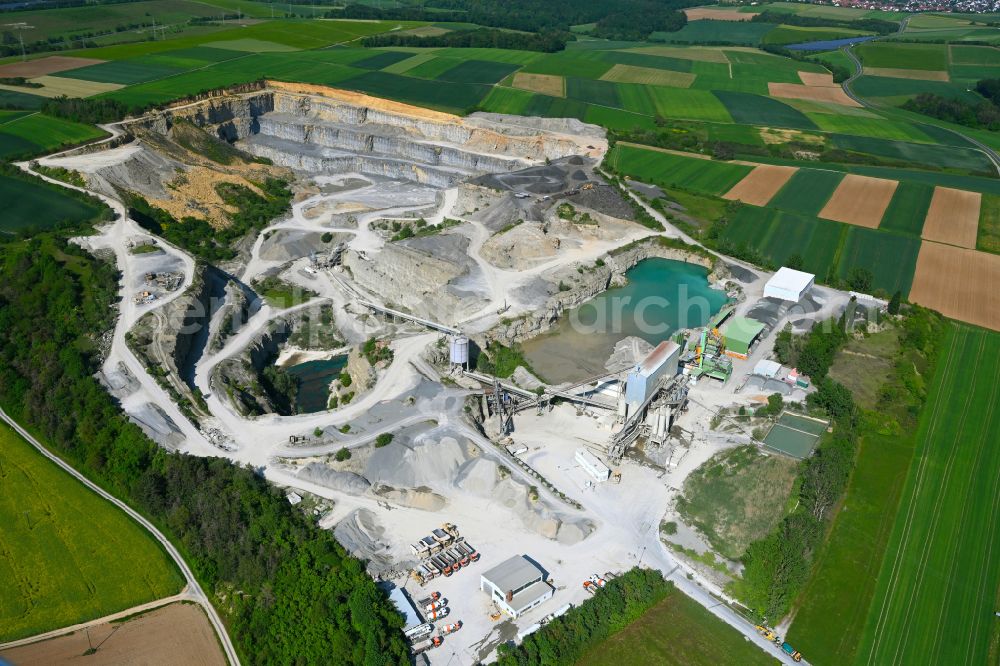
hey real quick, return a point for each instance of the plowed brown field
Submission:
(760, 185)
(833, 94)
(953, 217)
(959, 283)
(43, 66)
(860, 200)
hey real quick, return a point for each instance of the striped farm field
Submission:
(808, 191)
(124, 72)
(657, 77)
(760, 110)
(890, 257)
(689, 104)
(908, 208)
(35, 134)
(894, 55)
(877, 128)
(936, 596)
(673, 170)
(778, 236)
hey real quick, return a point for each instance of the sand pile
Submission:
(364, 537)
(428, 461)
(345, 482)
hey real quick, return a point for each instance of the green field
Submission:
(125, 72)
(671, 170)
(37, 133)
(908, 208)
(66, 555)
(29, 205)
(918, 154)
(760, 110)
(988, 238)
(936, 593)
(933, 57)
(779, 236)
(789, 34)
(676, 631)
(807, 191)
(892, 258)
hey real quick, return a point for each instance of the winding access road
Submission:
(194, 591)
(848, 50)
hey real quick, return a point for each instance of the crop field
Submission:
(959, 283)
(658, 77)
(778, 236)
(908, 152)
(898, 89)
(38, 134)
(602, 93)
(760, 110)
(677, 632)
(672, 170)
(477, 71)
(689, 104)
(952, 217)
(891, 258)
(62, 549)
(714, 32)
(937, 589)
(860, 200)
(989, 224)
(876, 128)
(808, 191)
(124, 72)
(568, 65)
(904, 56)
(760, 185)
(793, 34)
(19, 100)
(908, 208)
(973, 55)
(30, 206)
(381, 59)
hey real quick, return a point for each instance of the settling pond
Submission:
(662, 296)
(314, 379)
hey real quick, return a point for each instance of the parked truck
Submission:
(791, 652)
(424, 646)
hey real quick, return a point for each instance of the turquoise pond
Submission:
(662, 296)
(314, 379)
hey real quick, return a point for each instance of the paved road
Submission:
(195, 593)
(849, 52)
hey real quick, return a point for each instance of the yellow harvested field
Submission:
(700, 53)
(55, 86)
(43, 66)
(648, 75)
(860, 200)
(698, 13)
(959, 283)
(175, 634)
(953, 217)
(916, 74)
(760, 185)
(546, 84)
(835, 95)
(821, 79)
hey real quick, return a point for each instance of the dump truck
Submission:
(590, 587)
(450, 529)
(597, 580)
(791, 652)
(424, 646)
(433, 596)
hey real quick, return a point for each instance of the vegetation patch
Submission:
(989, 224)
(737, 497)
(760, 110)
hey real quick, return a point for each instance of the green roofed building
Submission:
(740, 335)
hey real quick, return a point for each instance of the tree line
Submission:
(486, 38)
(567, 638)
(778, 566)
(288, 591)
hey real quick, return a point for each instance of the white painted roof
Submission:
(767, 368)
(791, 280)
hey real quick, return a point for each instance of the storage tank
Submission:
(460, 350)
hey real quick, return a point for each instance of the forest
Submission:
(615, 19)
(287, 590)
(486, 38)
(984, 114)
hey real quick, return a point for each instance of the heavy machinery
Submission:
(438, 613)
(766, 633)
(590, 586)
(791, 652)
(433, 596)
(419, 631)
(597, 580)
(451, 628)
(426, 645)
(710, 359)
(435, 604)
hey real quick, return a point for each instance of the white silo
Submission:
(460, 350)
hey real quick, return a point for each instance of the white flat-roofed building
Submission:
(789, 284)
(516, 585)
(592, 464)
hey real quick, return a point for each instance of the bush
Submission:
(342, 455)
(384, 439)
